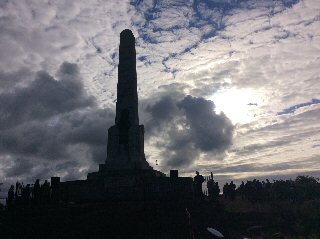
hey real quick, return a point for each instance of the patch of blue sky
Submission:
(190, 14)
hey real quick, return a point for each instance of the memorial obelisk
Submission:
(126, 174)
(125, 150)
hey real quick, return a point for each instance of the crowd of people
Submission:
(302, 188)
(30, 193)
(229, 191)
(213, 188)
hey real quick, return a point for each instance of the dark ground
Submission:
(160, 219)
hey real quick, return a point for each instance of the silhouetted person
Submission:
(250, 191)
(232, 190)
(216, 191)
(268, 190)
(37, 191)
(25, 194)
(210, 186)
(55, 189)
(259, 191)
(198, 180)
(225, 191)
(10, 198)
(45, 191)
(17, 192)
(241, 189)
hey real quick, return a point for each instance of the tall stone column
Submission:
(126, 137)
(127, 96)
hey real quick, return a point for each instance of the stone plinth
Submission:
(127, 188)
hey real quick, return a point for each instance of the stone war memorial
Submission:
(126, 174)
(127, 198)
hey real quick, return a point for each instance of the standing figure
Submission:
(232, 190)
(216, 191)
(241, 190)
(46, 192)
(10, 198)
(210, 186)
(25, 194)
(37, 191)
(198, 180)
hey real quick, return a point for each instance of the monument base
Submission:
(125, 185)
(125, 173)
(106, 171)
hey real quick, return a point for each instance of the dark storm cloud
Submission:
(162, 112)
(67, 164)
(48, 121)
(20, 167)
(44, 97)
(210, 131)
(13, 79)
(188, 126)
(50, 139)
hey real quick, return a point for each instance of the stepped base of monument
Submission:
(104, 173)
(125, 185)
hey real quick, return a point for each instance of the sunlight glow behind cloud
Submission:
(240, 105)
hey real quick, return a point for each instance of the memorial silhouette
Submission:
(125, 150)
(126, 137)
(126, 174)
(127, 198)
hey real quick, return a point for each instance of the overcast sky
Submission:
(228, 86)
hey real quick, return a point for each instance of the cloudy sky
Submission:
(228, 86)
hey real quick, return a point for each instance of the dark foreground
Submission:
(162, 220)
